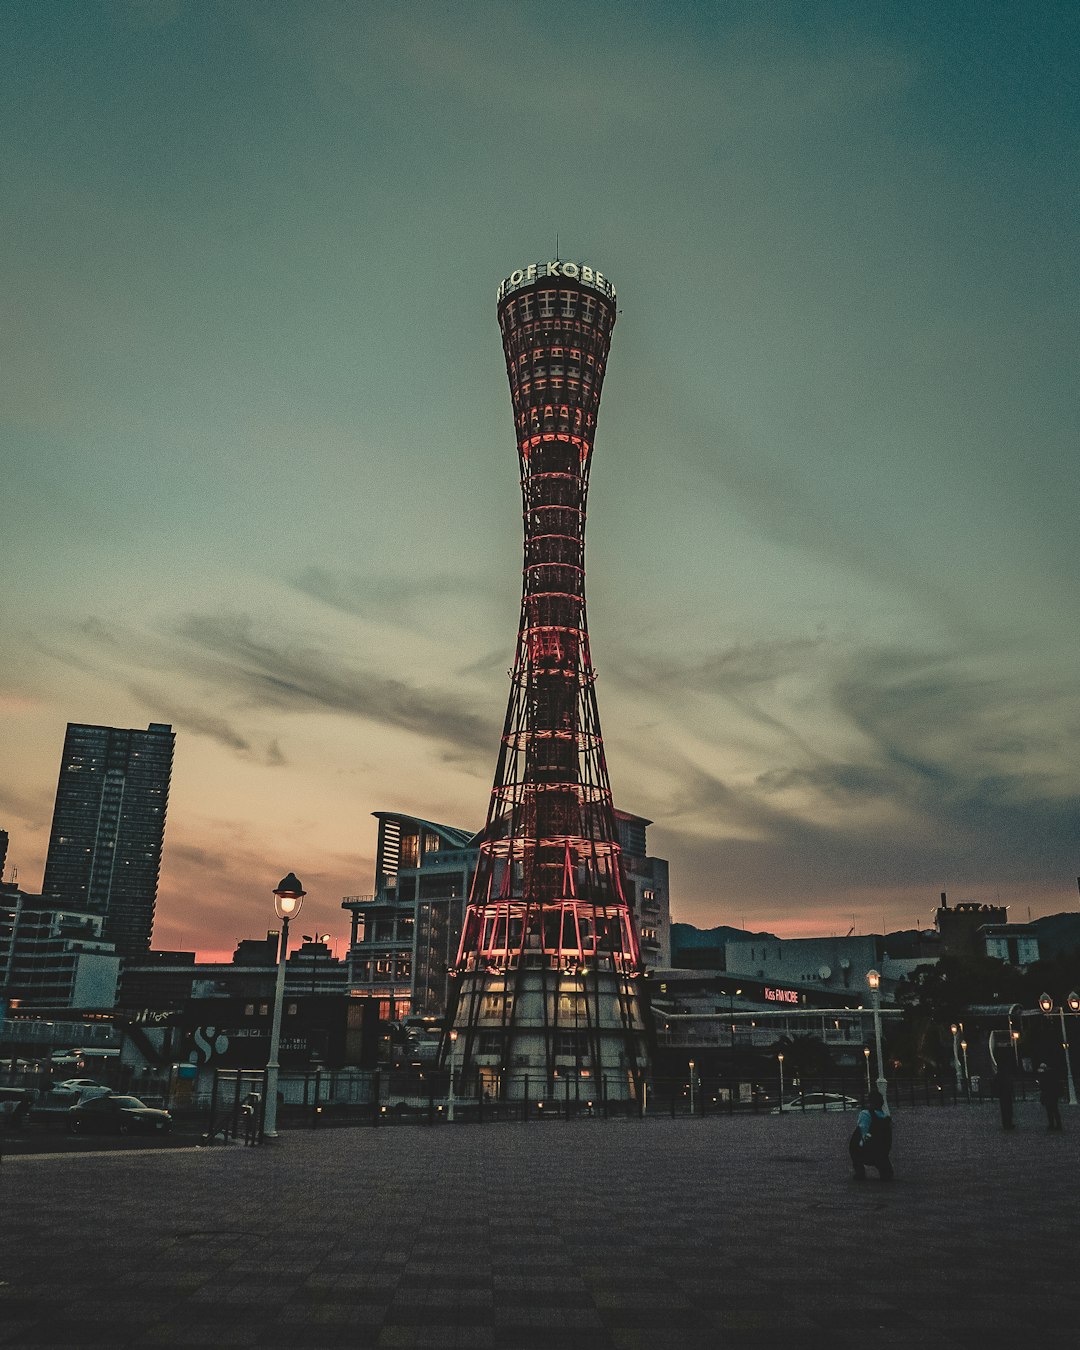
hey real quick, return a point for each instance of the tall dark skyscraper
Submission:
(108, 827)
(547, 977)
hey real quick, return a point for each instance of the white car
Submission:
(81, 1090)
(818, 1101)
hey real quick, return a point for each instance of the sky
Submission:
(257, 460)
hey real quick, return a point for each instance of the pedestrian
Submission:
(1004, 1088)
(1049, 1095)
(871, 1140)
(250, 1112)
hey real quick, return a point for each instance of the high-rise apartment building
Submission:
(108, 827)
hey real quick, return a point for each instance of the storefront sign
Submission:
(781, 995)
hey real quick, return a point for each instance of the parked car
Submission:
(15, 1104)
(119, 1115)
(79, 1085)
(67, 1059)
(818, 1101)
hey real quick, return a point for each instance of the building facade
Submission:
(404, 936)
(52, 957)
(108, 828)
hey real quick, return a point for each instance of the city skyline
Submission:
(260, 475)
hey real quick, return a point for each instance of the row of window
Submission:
(547, 303)
(529, 334)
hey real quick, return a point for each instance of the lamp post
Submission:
(956, 1029)
(693, 1066)
(866, 1056)
(1014, 1035)
(1073, 1001)
(873, 979)
(967, 1076)
(780, 1062)
(450, 1094)
(731, 1015)
(288, 898)
(1046, 1003)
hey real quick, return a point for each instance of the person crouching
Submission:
(871, 1140)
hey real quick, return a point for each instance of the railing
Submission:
(321, 1099)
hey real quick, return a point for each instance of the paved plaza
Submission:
(664, 1235)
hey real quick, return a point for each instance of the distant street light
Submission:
(967, 1076)
(731, 1014)
(780, 1061)
(450, 1095)
(866, 1056)
(873, 979)
(693, 1066)
(288, 898)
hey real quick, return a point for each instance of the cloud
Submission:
(192, 719)
(285, 676)
(202, 723)
(365, 595)
(954, 778)
(28, 811)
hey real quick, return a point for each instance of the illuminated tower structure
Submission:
(546, 988)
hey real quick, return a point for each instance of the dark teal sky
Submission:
(258, 461)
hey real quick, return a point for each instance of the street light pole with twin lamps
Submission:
(288, 898)
(1046, 1003)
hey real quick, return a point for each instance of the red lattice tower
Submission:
(548, 966)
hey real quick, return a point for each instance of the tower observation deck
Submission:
(547, 998)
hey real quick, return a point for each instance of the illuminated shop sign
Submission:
(781, 995)
(572, 271)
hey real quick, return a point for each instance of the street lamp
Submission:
(288, 898)
(450, 1095)
(866, 1056)
(693, 1066)
(1014, 1035)
(967, 1076)
(731, 1015)
(780, 1061)
(956, 1029)
(873, 979)
(1046, 1003)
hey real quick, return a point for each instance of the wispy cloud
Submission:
(952, 775)
(296, 678)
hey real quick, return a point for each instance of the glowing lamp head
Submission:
(873, 979)
(1074, 1002)
(288, 896)
(954, 1028)
(866, 1051)
(1046, 1003)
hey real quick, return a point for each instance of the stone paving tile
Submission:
(741, 1234)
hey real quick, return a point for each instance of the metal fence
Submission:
(322, 1099)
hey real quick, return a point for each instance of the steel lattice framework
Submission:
(548, 965)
